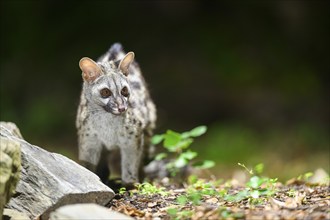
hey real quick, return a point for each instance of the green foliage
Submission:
(122, 191)
(206, 164)
(197, 189)
(257, 188)
(291, 192)
(305, 177)
(192, 179)
(259, 168)
(249, 171)
(177, 146)
(226, 213)
(149, 189)
(176, 214)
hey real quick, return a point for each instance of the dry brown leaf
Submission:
(152, 204)
(212, 200)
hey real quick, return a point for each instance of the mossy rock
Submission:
(10, 166)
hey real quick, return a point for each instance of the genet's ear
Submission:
(126, 62)
(90, 70)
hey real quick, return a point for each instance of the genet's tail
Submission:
(115, 53)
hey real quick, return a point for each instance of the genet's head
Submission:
(106, 84)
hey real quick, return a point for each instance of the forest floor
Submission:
(259, 198)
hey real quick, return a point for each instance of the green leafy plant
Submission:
(177, 214)
(225, 213)
(122, 191)
(291, 192)
(257, 188)
(305, 177)
(177, 146)
(149, 189)
(197, 191)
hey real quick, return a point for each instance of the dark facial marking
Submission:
(136, 85)
(107, 108)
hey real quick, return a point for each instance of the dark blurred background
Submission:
(255, 72)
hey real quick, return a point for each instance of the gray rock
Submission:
(86, 212)
(13, 129)
(10, 166)
(14, 215)
(50, 180)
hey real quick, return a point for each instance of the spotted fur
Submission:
(116, 122)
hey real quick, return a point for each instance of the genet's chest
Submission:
(113, 130)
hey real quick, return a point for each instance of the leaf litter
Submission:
(256, 197)
(294, 200)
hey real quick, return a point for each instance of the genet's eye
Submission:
(105, 93)
(125, 92)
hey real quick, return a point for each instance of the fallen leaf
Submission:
(152, 204)
(212, 200)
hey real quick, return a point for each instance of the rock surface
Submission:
(12, 128)
(10, 166)
(49, 181)
(86, 212)
(14, 215)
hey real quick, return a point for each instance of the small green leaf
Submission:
(273, 181)
(180, 162)
(308, 175)
(259, 168)
(305, 176)
(161, 156)
(122, 190)
(185, 214)
(171, 148)
(255, 182)
(209, 191)
(192, 179)
(198, 131)
(206, 164)
(226, 214)
(172, 211)
(237, 197)
(184, 144)
(172, 138)
(156, 139)
(222, 192)
(185, 135)
(195, 197)
(255, 194)
(182, 200)
(180, 146)
(149, 189)
(189, 155)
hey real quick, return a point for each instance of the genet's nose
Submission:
(121, 108)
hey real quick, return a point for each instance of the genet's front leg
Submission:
(90, 151)
(131, 154)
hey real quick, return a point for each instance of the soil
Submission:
(296, 200)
